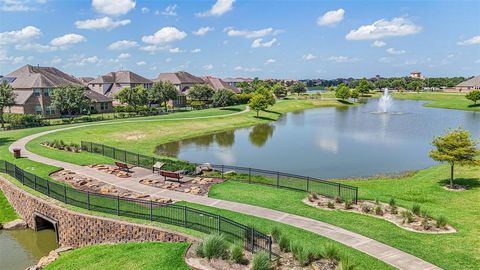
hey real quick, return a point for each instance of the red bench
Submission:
(123, 166)
(168, 174)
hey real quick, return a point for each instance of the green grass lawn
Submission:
(7, 213)
(455, 101)
(449, 251)
(141, 256)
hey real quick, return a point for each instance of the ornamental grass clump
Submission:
(215, 246)
(236, 253)
(261, 261)
(330, 252)
(305, 256)
(416, 209)
(346, 264)
(393, 206)
(366, 208)
(378, 210)
(441, 222)
(331, 205)
(275, 233)
(347, 205)
(284, 243)
(407, 216)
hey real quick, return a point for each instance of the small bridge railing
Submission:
(173, 214)
(244, 174)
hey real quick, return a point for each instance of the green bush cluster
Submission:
(261, 261)
(61, 145)
(23, 120)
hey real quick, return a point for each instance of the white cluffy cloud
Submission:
(67, 40)
(25, 34)
(208, 67)
(196, 50)
(114, 8)
(257, 43)
(88, 60)
(331, 18)
(170, 10)
(141, 63)
(122, 45)
(18, 5)
(203, 31)
(165, 35)
(124, 56)
(245, 69)
(101, 23)
(395, 52)
(175, 50)
(378, 43)
(342, 59)
(471, 41)
(219, 8)
(384, 28)
(270, 61)
(308, 57)
(249, 33)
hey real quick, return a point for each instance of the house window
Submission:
(104, 106)
(38, 109)
(50, 110)
(47, 92)
(37, 92)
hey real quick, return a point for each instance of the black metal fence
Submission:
(178, 215)
(248, 175)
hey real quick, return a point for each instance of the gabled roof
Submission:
(122, 76)
(97, 97)
(85, 80)
(217, 84)
(475, 81)
(40, 77)
(22, 96)
(180, 77)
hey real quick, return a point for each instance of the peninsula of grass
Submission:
(456, 101)
(142, 256)
(7, 213)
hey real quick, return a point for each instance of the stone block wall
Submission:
(77, 229)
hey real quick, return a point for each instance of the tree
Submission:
(134, 97)
(279, 90)
(364, 86)
(331, 88)
(7, 98)
(354, 94)
(201, 92)
(263, 90)
(398, 84)
(342, 92)
(474, 96)
(258, 103)
(297, 88)
(223, 98)
(455, 146)
(415, 85)
(162, 92)
(70, 99)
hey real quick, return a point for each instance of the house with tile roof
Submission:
(33, 86)
(217, 84)
(111, 83)
(181, 79)
(469, 85)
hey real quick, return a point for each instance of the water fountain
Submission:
(385, 102)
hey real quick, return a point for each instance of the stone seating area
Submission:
(196, 186)
(111, 170)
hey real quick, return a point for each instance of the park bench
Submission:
(123, 166)
(167, 174)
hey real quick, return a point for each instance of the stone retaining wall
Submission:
(77, 229)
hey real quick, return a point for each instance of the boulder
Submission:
(16, 224)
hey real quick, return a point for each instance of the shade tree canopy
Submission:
(71, 99)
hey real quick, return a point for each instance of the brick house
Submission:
(469, 85)
(217, 84)
(111, 83)
(33, 86)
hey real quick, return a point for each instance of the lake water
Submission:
(20, 249)
(332, 142)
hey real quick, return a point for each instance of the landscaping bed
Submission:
(410, 219)
(197, 186)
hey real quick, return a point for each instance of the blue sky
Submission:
(268, 39)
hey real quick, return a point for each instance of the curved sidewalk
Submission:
(385, 253)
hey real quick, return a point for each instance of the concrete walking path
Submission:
(385, 253)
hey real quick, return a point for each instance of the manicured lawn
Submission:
(7, 213)
(141, 256)
(455, 101)
(449, 251)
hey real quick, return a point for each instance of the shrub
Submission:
(261, 261)
(338, 199)
(377, 202)
(23, 120)
(236, 253)
(425, 224)
(244, 98)
(330, 252)
(215, 246)
(441, 221)
(304, 255)
(346, 264)
(314, 195)
(392, 202)
(416, 209)
(366, 208)
(275, 233)
(331, 205)
(284, 243)
(378, 210)
(348, 205)
(407, 216)
(199, 250)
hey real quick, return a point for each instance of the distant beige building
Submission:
(33, 86)
(416, 75)
(181, 79)
(469, 85)
(217, 84)
(112, 82)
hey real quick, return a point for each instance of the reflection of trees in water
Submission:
(172, 149)
(260, 134)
